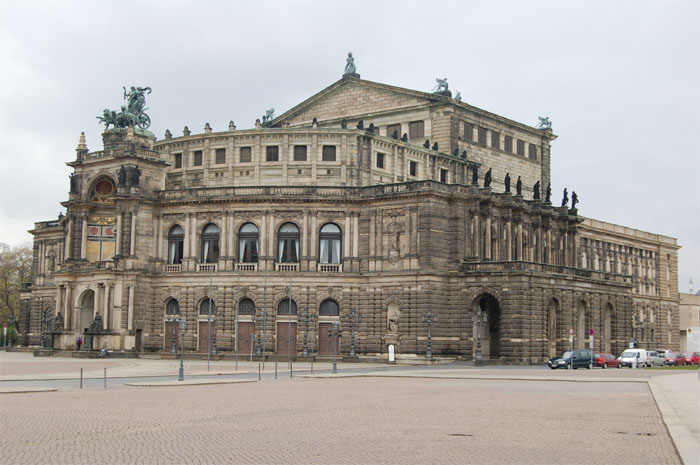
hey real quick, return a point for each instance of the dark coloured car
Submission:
(606, 360)
(674, 359)
(575, 358)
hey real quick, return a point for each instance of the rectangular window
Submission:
(220, 156)
(482, 136)
(521, 148)
(380, 160)
(246, 156)
(468, 131)
(272, 153)
(197, 158)
(443, 175)
(532, 151)
(416, 130)
(412, 168)
(495, 140)
(299, 153)
(178, 160)
(390, 131)
(508, 144)
(328, 153)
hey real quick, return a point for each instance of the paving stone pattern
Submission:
(360, 420)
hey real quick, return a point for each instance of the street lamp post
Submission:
(306, 318)
(258, 324)
(335, 332)
(183, 327)
(11, 323)
(478, 359)
(353, 319)
(428, 319)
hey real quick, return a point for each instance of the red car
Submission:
(674, 358)
(692, 358)
(606, 360)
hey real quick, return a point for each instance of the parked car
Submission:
(674, 359)
(692, 358)
(575, 358)
(654, 359)
(628, 357)
(606, 360)
(662, 352)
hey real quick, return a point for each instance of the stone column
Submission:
(118, 245)
(187, 239)
(105, 309)
(59, 300)
(83, 239)
(68, 313)
(509, 241)
(68, 253)
(519, 242)
(130, 313)
(314, 219)
(132, 245)
(355, 234)
(549, 245)
(271, 238)
(346, 237)
(476, 237)
(223, 239)
(487, 241)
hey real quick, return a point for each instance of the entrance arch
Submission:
(580, 320)
(87, 310)
(488, 313)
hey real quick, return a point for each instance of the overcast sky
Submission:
(620, 81)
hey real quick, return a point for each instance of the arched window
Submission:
(246, 307)
(329, 244)
(288, 243)
(204, 307)
(284, 309)
(176, 244)
(329, 308)
(248, 243)
(210, 243)
(172, 307)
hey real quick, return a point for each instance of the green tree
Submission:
(15, 268)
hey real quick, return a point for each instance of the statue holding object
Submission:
(565, 199)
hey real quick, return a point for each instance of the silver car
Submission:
(654, 359)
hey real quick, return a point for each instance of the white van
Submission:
(629, 355)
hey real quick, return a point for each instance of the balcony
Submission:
(329, 267)
(535, 267)
(172, 268)
(286, 267)
(207, 267)
(246, 267)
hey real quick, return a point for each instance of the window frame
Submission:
(176, 245)
(272, 153)
(326, 156)
(197, 158)
(298, 155)
(330, 239)
(220, 156)
(177, 160)
(212, 239)
(412, 168)
(288, 241)
(248, 151)
(394, 127)
(379, 160)
(416, 129)
(248, 238)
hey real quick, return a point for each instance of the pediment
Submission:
(351, 98)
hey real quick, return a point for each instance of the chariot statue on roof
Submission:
(441, 85)
(131, 114)
(544, 123)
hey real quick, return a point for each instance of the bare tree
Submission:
(15, 268)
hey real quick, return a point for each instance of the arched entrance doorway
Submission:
(87, 310)
(580, 325)
(552, 311)
(487, 326)
(287, 327)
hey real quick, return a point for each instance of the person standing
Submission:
(78, 342)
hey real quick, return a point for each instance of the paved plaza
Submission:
(361, 415)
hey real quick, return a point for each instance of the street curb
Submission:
(26, 390)
(686, 445)
(189, 383)
(482, 377)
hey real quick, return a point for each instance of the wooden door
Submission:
(245, 331)
(325, 342)
(170, 329)
(286, 337)
(138, 342)
(204, 336)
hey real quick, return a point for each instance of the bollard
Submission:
(105, 378)
(312, 364)
(291, 369)
(275, 370)
(81, 378)
(258, 371)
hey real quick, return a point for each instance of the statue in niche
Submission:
(135, 176)
(507, 182)
(350, 64)
(56, 325)
(574, 199)
(52, 261)
(475, 176)
(121, 176)
(344, 124)
(487, 178)
(565, 199)
(519, 187)
(392, 319)
(96, 325)
(548, 194)
(536, 190)
(394, 229)
(73, 184)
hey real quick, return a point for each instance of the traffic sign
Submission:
(590, 332)
(571, 331)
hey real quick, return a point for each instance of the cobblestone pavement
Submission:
(348, 420)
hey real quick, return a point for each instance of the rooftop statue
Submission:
(350, 65)
(519, 187)
(574, 199)
(565, 199)
(544, 122)
(269, 115)
(131, 114)
(536, 191)
(487, 178)
(441, 85)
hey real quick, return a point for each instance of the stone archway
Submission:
(87, 310)
(487, 326)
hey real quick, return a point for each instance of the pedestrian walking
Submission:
(78, 342)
